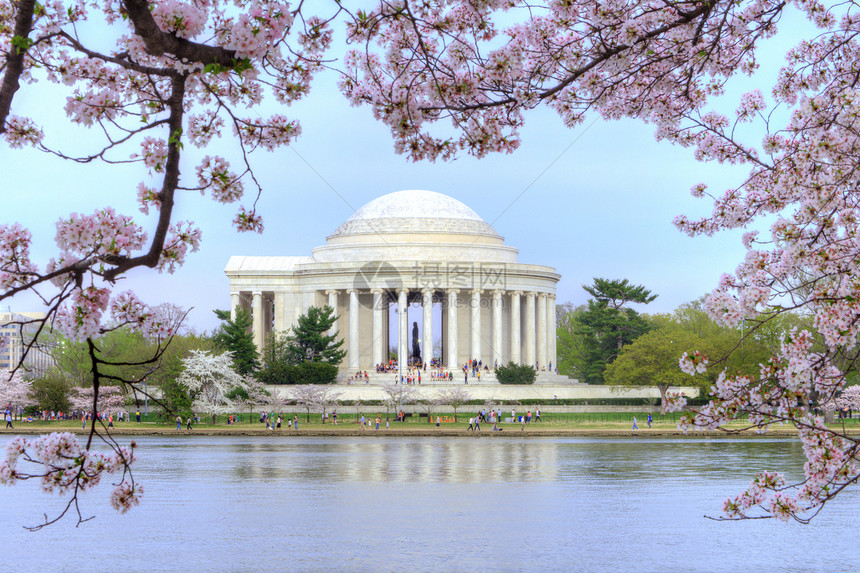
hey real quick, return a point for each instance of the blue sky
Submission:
(595, 201)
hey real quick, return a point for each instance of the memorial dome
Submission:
(414, 211)
(415, 204)
(415, 225)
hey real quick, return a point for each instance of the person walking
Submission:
(296, 423)
(378, 420)
(537, 415)
(188, 422)
(137, 417)
(649, 419)
(178, 422)
(635, 427)
(471, 424)
(9, 420)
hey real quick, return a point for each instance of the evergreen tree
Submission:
(608, 324)
(235, 336)
(310, 341)
(276, 360)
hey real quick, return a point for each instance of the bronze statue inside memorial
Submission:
(415, 358)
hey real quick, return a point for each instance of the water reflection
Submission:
(434, 460)
(430, 504)
(427, 460)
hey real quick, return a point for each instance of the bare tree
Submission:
(397, 395)
(276, 401)
(306, 396)
(253, 394)
(456, 397)
(430, 403)
(328, 397)
(312, 396)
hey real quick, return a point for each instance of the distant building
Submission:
(17, 330)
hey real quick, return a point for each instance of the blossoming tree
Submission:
(110, 399)
(456, 76)
(151, 78)
(15, 391)
(210, 378)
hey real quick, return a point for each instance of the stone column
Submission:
(541, 329)
(516, 326)
(475, 347)
(453, 359)
(257, 311)
(353, 328)
(497, 328)
(427, 328)
(530, 329)
(376, 349)
(278, 308)
(402, 301)
(332, 302)
(550, 331)
(235, 300)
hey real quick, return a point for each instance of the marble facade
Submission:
(401, 249)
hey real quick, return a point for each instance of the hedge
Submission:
(515, 374)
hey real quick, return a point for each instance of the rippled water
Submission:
(435, 504)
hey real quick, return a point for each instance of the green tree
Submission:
(652, 360)
(175, 398)
(608, 324)
(235, 336)
(310, 341)
(276, 360)
(169, 366)
(569, 341)
(51, 392)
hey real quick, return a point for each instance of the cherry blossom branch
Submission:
(15, 57)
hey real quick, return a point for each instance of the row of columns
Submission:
(540, 341)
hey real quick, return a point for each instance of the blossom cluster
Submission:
(63, 466)
(16, 268)
(154, 322)
(692, 364)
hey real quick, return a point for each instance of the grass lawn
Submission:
(610, 423)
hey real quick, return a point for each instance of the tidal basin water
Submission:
(441, 504)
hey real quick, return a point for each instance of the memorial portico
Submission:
(401, 249)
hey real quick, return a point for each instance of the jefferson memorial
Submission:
(401, 249)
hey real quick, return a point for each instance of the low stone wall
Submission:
(544, 394)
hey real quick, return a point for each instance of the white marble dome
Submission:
(415, 203)
(415, 225)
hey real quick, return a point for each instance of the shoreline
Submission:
(349, 430)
